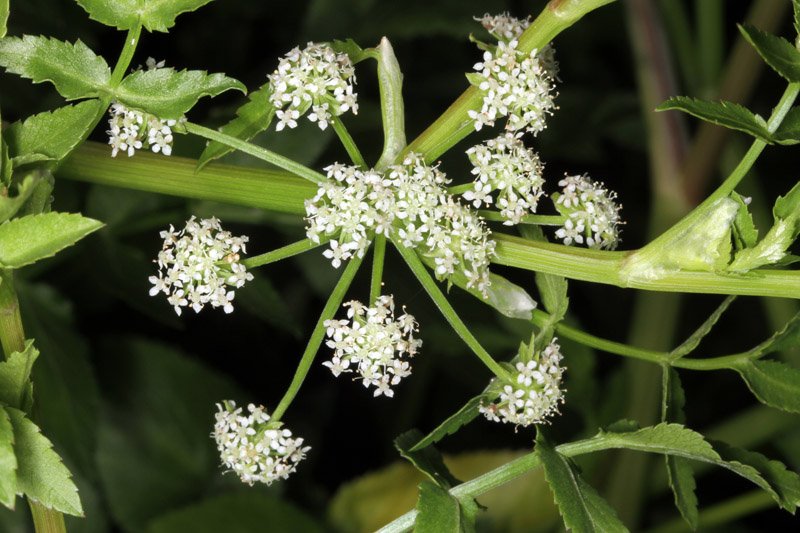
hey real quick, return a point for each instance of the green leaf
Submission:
(251, 119)
(690, 344)
(239, 511)
(745, 233)
(352, 49)
(789, 130)
(581, 507)
(785, 339)
(777, 52)
(168, 93)
(722, 113)
(74, 70)
(8, 462)
(787, 206)
(9, 205)
(454, 422)
(553, 291)
(773, 383)
(679, 471)
(3, 17)
(427, 460)
(155, 15)
(439, 511)
(16, 389)
(28, 239)
(53, 134)
(41, 475)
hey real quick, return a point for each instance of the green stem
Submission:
(379, 251)
(348, 142)
(390, 84)
(458, 190)
(722, 513)
(46, 520)
(281, 253)
(314, 342)
(447, 310)
(125, 57)
(256, 151)
(539, 220)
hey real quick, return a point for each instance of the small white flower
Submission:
(504, 27)
(200, 265)
(518, 86)
(533, 393)
(375, 343)
(592, 211)
(315, 78)
(131, 130)
(254, 448)
(504, 164)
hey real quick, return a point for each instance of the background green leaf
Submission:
(28, 239)
(778, 53)
(581, 507)
(155, 15)
(74, 69)
(773, 383)
(726, 114)
(168, 93)
(41, 475)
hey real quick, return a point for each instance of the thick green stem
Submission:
(314, 342)
(256, 151)
(46, 520)
(348, 142)
(281, 253)
(429, 284)
(379, 254)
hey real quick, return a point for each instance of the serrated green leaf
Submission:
(789, 130)
(722, 113)
(788, 205)
(462, 417)
(41, 197)
(428, 460)
(53, 134)
(581, 507)
(9, 205)
(679, 471)
(3, 17)
(15, 372)
(783, 484)
(777, 52)
(8, 462)
(439, 511)
(41, 475)
(773, 383)
(690, 344)
(74, 69)
(251, 119)
(155, 15)
(28, 239)
(745, 234)
(168, 93)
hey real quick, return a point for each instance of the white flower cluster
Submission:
(254, 449)
(408, 202)
(504, 27)
(315, 78)
(131, 130)
(593, 214)
(534, 393)
(373, 341)
(504, 164)
(515, 85)
(200, 265)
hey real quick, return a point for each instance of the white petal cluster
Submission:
(376, 344)
(254, 449)
(504, 27)
(518, 86)
(131, 130)
(408, 202)
(505, 165)
(534, 392)
(315, 78)
(200, 265)
(592, 211)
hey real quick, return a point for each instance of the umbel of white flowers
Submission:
(131, 130)
(200, 265)
(374, 342)
(254, 449)
(407, 202)
(504, 27)
(591, 210)
(534, 391)
(505, 165)
(315, 78)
